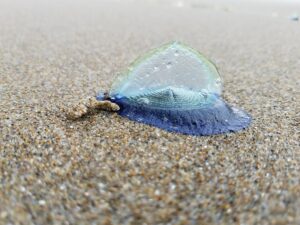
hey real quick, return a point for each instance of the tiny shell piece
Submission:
(88, 105)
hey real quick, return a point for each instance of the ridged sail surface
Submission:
(172, 76)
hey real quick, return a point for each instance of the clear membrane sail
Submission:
(173, 70)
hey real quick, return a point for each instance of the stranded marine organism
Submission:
(174, 88)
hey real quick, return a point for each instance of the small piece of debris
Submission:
(89, 105)
(42, 202)
(294, 17)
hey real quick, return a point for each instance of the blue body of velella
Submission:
(210, 119)
(177, 89)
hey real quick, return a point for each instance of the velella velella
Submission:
(177, 89)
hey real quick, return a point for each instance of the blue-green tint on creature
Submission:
(177, 89)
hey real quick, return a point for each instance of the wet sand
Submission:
(105, 169)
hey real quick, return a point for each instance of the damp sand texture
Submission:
(106, 169)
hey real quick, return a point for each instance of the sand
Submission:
(105, 169)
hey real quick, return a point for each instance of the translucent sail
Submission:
(175, 72)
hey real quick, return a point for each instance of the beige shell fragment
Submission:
(88, 105)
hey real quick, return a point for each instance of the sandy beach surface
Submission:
(105, 169)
